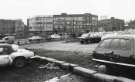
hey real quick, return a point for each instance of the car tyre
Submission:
(82, 42)
(102, 69)
(19, 62)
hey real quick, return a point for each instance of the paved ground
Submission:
(62, 46)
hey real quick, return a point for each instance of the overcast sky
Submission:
(22, 9)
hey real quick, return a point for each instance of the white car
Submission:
(11, 54)
(35, 39)
(55, 36)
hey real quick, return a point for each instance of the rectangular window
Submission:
(105, 43)
(125, 44)
(115, 44)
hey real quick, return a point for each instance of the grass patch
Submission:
(82, 59)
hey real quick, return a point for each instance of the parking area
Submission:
(63, 46)
(71, 52)
(36, 72)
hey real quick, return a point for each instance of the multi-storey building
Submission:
(7, 26)
(75, 23)
(20, 28)
(111, 24)
(11, 27)
(40, 24)
(131, 25)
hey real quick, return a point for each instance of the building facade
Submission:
(20, 28)
(40, 24)
(75, 23)
(11, 27)
(111, 24)
(131, 25)
(7, 26)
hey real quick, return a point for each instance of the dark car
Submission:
(116, 53)
(90, 38)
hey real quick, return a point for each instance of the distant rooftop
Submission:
(65, 14)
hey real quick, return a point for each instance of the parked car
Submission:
(55, 37)
(90, 38)
(8, 39)
(11, 54)
(3, 41)
(115, 53)
(35, 39)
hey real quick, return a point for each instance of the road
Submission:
(62, 46)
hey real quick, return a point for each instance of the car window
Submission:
(115, 44)
(105, 43)
(6, 38)
(8, 50)
(125, 44)
(1, 50)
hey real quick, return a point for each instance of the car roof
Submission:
(5, 44)
(124, 36)
(2, 41)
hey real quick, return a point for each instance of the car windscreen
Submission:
(115, 44)
(105, 43)
(6, 50)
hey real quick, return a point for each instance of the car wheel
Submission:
(102, 69)
(19, 62)
(87, 41)
(82, 42)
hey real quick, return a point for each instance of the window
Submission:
(105, 43)
(6, 38)
(125, 44)
(115, 44)
(1, 50)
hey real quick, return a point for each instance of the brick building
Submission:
(111, 24)
(75, 23)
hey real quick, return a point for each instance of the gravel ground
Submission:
(62, 46)
(33, 73)
(30, 73)
(82, 59)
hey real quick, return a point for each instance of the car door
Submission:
(4, 57)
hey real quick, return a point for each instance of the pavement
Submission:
(62, 46)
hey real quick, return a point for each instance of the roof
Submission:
(35, 37)
(125, 36)
(75, 15)
(5, 44)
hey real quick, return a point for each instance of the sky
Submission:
(23, 9)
